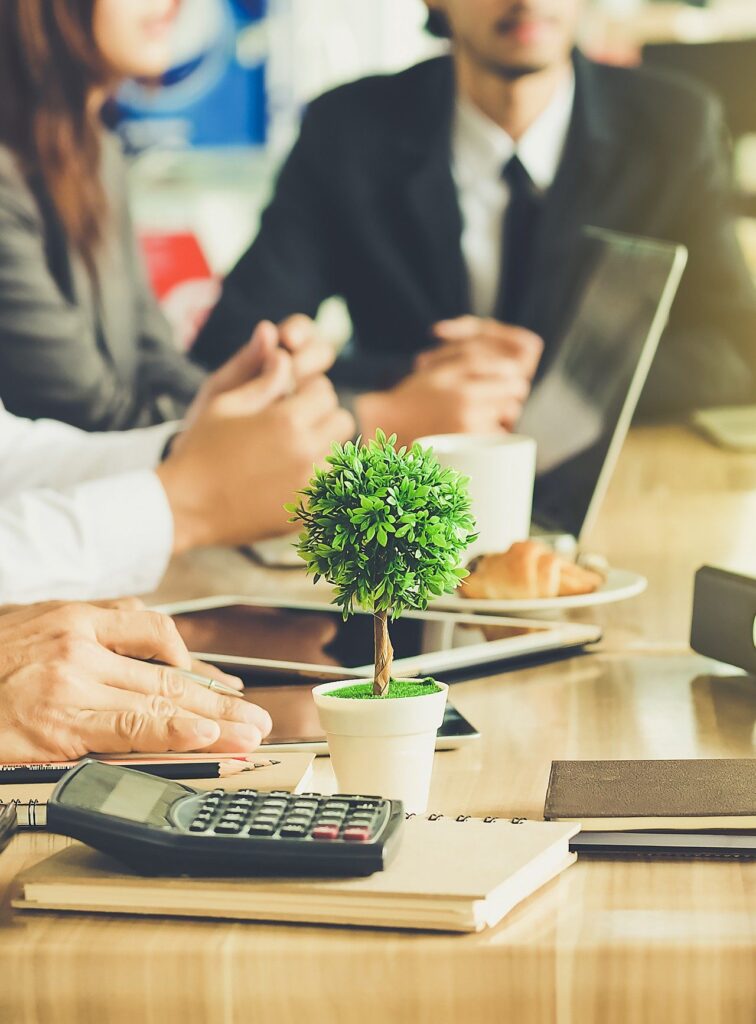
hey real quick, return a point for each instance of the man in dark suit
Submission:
(445, 203)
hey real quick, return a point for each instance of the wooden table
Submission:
(607, 942)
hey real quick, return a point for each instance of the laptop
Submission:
(581, 406)
(580, 409)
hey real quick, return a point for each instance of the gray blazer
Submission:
(101, 360)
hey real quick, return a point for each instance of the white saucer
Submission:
(278, 552)
(620, 584)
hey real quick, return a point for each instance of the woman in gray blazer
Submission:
(81, 335)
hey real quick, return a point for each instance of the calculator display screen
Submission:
(133, 796)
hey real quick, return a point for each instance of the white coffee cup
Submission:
(501, 470)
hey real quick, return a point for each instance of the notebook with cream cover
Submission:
(293, 772)
(449, 875)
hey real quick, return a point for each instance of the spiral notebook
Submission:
(457, 875)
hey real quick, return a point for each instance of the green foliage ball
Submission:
(386, 527)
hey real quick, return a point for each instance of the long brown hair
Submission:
(49, 64)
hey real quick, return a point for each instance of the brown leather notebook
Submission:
(606, 796)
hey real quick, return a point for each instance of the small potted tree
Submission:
(387, 529)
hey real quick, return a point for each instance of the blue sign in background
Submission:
(214, 95)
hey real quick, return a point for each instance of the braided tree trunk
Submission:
(384, 654)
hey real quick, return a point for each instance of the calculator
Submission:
(161, 827)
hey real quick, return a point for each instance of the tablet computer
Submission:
(296, 726)
(282, 641)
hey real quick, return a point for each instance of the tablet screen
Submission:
(318, 637)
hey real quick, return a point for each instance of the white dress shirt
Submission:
(82, 516)
(480, 151)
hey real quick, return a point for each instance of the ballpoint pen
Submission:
(211, 684)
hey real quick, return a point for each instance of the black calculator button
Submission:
(229, 827)
(292, 830)
(199, 826)
(261, 829)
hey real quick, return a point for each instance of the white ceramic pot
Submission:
(382, 747)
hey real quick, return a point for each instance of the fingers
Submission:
(296, 331)
(313, 359)
(127, 604)
(145, 635)
(273, 382)
(204, 668)
(456, 364)
(127, 731)
(130, 684)
(465, 327)
(312, 402)
(248, 361)
(521, 344)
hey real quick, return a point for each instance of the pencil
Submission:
(219, 769)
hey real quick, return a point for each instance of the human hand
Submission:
(475, 381)
(310, 355)
(75, 678)
(250, 452)
(484, 345)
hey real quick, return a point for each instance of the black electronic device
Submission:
(724, 617)
(592, 379)
(162, 827)
(288, 641)
(665, 845)
(8, 823)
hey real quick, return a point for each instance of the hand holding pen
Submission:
(79, 678)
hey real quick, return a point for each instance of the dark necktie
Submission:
(520, 222)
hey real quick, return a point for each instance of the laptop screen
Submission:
(580, 409)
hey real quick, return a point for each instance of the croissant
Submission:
(529, 569)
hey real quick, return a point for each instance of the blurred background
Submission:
(205, 147)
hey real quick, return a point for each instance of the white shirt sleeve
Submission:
(45, 453)
(68, 531)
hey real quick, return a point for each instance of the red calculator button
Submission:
(357, 834)
(325, 832)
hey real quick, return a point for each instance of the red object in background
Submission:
(182, 280)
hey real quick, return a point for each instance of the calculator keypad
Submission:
(340, 818)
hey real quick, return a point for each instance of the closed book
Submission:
(291, 772)
(608, 796)
(460, 876)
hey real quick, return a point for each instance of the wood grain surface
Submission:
(608, 942)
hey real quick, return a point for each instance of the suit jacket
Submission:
(366, 207)
(101, 358)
